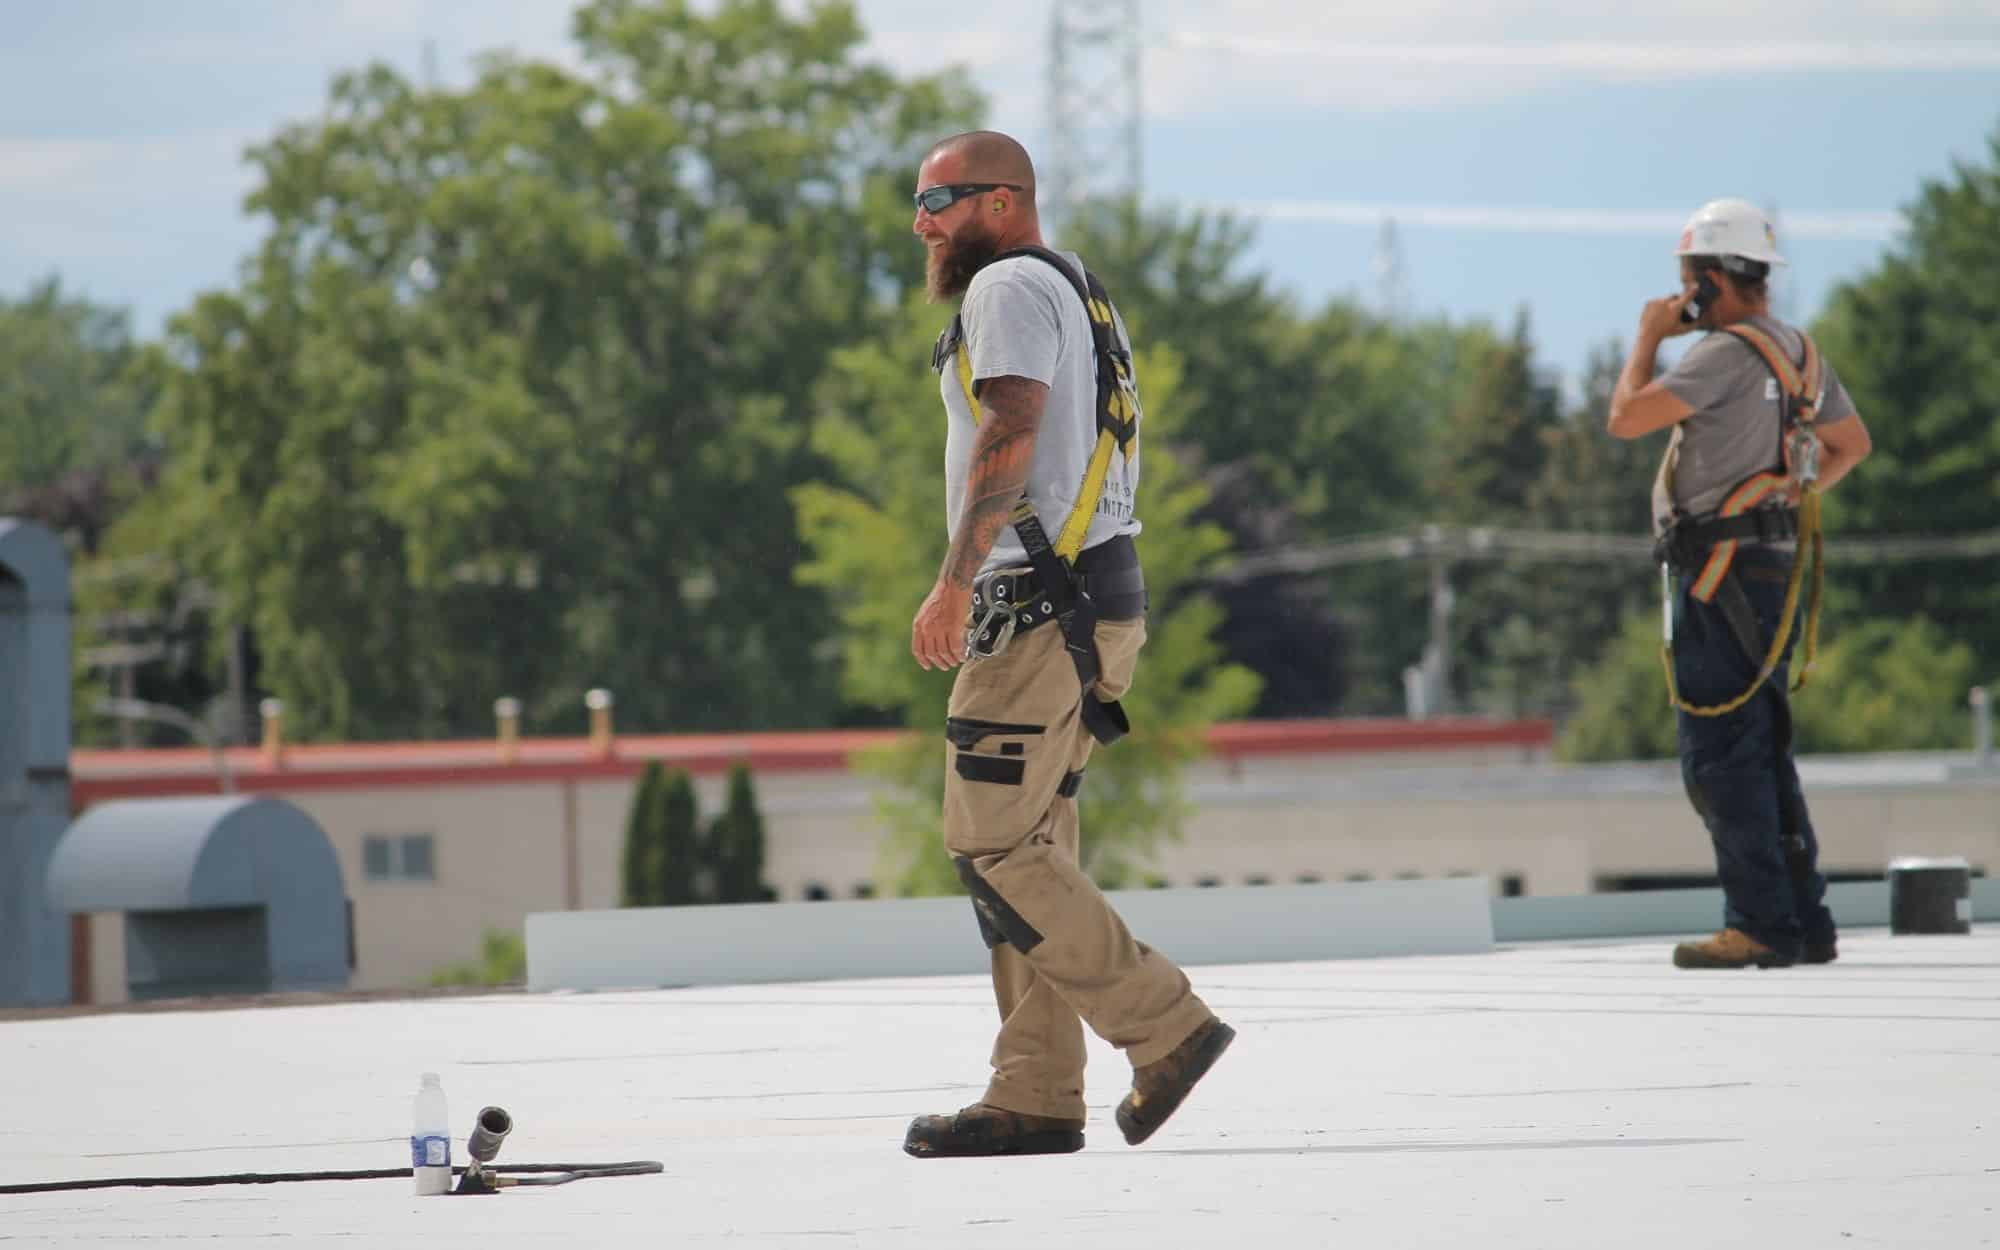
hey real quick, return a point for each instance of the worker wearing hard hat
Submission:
(1761, 425)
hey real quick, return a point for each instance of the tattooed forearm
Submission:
(1011, 413)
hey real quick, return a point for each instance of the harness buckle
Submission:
(1802, 451)
(996, 611)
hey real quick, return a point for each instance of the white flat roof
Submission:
(1551, 1095)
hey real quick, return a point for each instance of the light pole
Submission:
(161, 713)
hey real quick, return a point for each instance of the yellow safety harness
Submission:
(1117, 395)
(1800, 386)
(1117, 415)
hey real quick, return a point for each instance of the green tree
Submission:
(677, 825)
(736, 843)
(1887, 684)
(73, 445)
(1621, 701)
(1278, 411)
(641, 866)
(1917, 344)
(507, 397)
(1493, 445)
(1486, 459)
(1568, 612)
(503, 960)
(1181, 282)
(875, 540)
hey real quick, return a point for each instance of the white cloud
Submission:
(79, 170)
(1607, 60)
(1005, 66)
(1526, 220)
(1206, 57)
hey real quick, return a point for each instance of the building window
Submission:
(399, 857)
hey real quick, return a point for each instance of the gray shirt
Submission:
(1734, 431)
(1023, 318)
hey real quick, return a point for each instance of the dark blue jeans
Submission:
(1738, 768)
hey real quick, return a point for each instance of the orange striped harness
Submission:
(1800, 389)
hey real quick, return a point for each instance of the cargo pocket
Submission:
(992, 766)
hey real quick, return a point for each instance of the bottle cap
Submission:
(430, 1078)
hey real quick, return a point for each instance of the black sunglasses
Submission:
(935, 200)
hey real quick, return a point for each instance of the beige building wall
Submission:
(503, 851)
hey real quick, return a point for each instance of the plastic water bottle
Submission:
(430, 1138)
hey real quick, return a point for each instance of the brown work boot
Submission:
(1160, 1087)
(1731, 948)
(981, 1130)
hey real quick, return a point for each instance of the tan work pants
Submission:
(1064, 952)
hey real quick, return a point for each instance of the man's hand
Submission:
(1661, 318)
(937, 636)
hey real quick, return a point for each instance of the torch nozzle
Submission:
(492, 1129)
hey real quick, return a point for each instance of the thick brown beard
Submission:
(950, 269)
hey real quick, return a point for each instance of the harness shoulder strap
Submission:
(1114, 364)
(1117, 409)
(1800, 381)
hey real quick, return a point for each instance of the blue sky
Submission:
(1534, 156)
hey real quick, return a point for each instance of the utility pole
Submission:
(128, 710)
(1094, 107)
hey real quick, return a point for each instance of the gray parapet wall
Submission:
(1688, 913)
(751, 943)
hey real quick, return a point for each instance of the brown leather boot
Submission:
(1159, 1088)
(1731, 948)
(981, 1130)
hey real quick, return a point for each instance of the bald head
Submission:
(975, 198)
(986, 156)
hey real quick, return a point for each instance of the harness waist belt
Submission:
(1113, 580)
(1110, 574)
(1686, 544)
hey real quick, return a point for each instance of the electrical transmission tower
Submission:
(1093, 106)
(1392, 282)
(1782, 288)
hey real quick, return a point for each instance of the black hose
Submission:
(561, 1174)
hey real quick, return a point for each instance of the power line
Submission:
(1453, 544)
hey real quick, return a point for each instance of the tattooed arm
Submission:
(1002, 450)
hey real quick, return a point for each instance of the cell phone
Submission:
(1705, 293)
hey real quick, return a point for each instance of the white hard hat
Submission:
(1730, 228)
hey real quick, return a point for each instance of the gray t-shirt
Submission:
(1023, 318)
(1734, 430)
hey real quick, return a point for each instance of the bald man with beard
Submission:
(1047, 623)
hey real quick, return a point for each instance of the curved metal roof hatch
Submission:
(240, 894)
